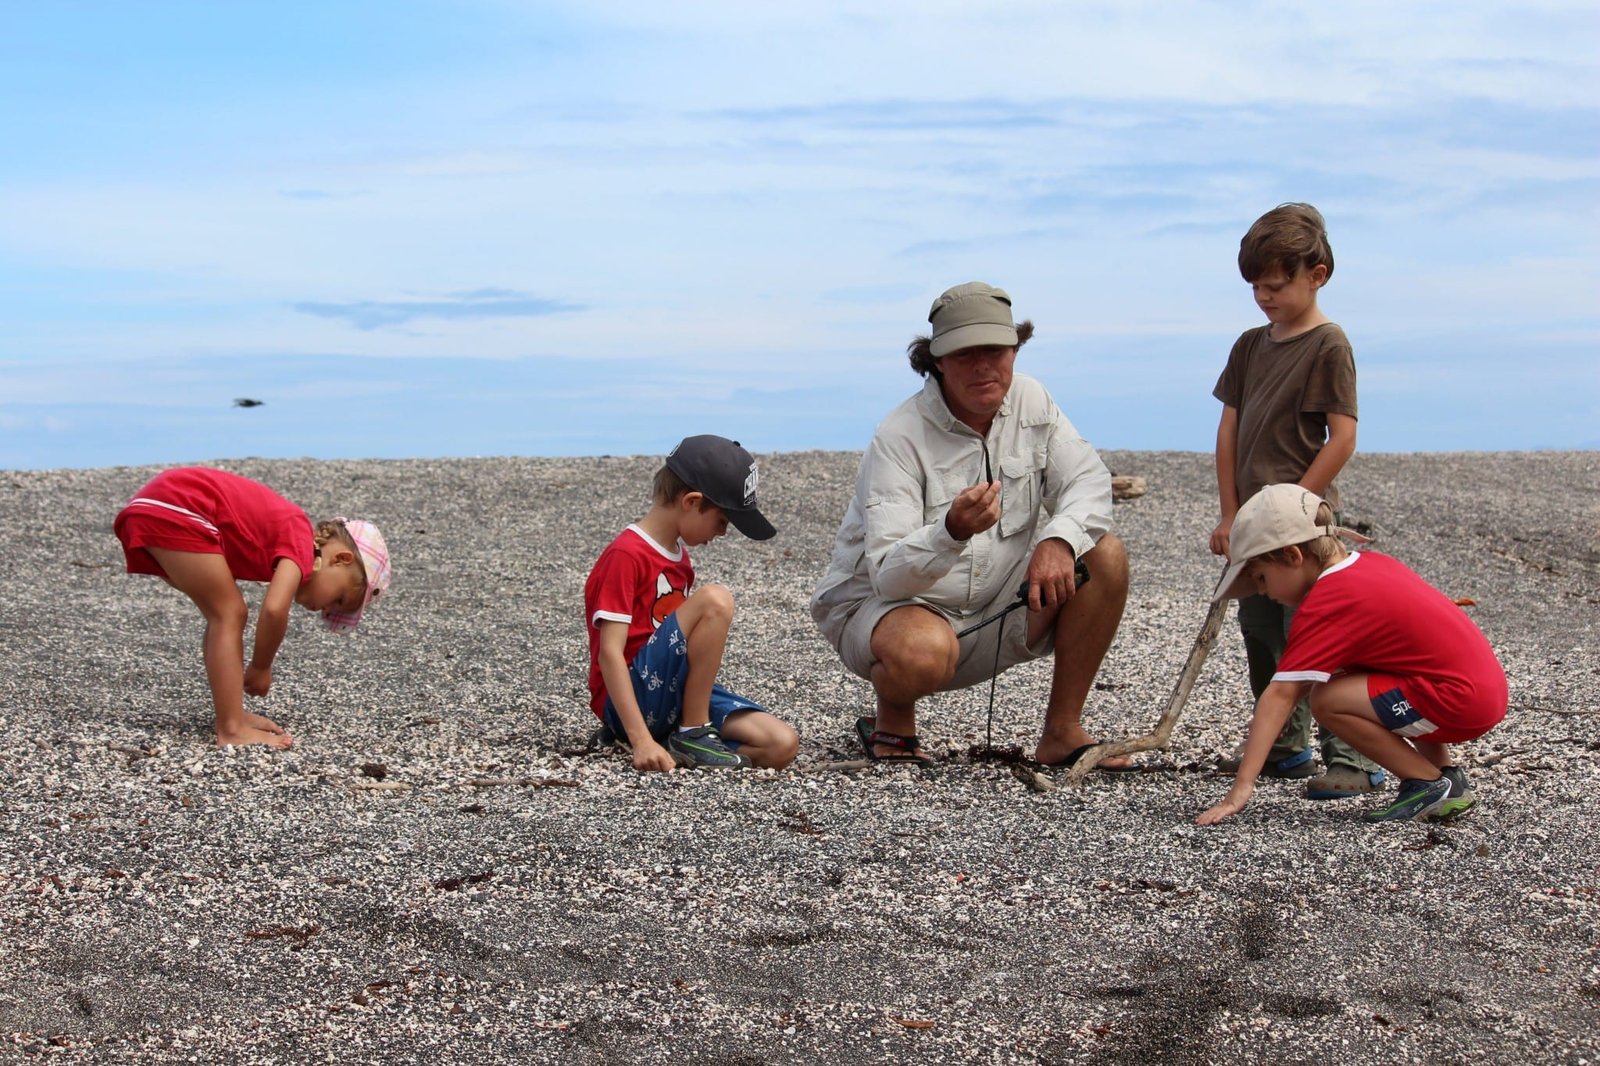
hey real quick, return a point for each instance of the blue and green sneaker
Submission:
(703, 747)
(1417, 800)
(1461, 798)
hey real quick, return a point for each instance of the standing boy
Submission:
(1288, 415)
(1392, 665)
(655, 646)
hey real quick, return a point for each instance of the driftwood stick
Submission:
(1162, 734)
(1032, 778)
(845, 764)
(1127, 488)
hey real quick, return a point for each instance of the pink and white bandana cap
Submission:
(375, 560)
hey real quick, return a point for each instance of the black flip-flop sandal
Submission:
(907, 748)
(1072, 757)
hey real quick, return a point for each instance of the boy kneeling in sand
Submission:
(1394, 667)
(655, 648)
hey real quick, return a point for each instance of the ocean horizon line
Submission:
(1590, 446)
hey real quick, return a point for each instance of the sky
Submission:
(490, 227)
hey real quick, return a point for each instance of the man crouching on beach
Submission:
(972, 487)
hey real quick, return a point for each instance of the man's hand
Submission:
(1050, 578)
(648, 755)
(975, 510)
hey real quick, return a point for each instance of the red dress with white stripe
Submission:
(196, 509)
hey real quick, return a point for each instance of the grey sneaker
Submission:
(1461, 798)
(1341, 781)
(703, 747)
(1416, 801)
(1294, 765)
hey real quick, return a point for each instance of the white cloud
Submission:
(1209, 52)
(702, 187)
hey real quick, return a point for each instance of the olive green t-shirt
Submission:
(1284, 392)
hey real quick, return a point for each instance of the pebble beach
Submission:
(445, 867)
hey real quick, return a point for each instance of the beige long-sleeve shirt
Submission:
(893, 543)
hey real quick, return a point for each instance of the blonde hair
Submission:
(335, 530)
(1324, 549)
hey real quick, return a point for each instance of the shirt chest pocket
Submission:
(939, 491)
(1020, 483)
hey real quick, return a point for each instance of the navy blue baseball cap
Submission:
(724, 473)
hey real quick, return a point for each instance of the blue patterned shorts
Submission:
(658, 673)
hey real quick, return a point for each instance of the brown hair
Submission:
(1288, 237)
(334, 530)
(668, 488)
(920, 350)
(1324, 549)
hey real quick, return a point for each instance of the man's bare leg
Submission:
(1084, 630)
(915, 655)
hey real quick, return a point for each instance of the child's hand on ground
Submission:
(257, 680)
(652, 756)
(1230, 805)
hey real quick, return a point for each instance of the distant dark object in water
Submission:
(245, 401)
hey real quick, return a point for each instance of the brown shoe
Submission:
(1295, 764)
(1341, 782)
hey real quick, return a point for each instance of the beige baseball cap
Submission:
(970, 316)
(1275, 517)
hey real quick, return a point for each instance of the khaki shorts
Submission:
(977, 662)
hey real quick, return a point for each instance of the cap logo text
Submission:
(751, 480)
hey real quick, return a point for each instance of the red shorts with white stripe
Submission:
(139, 529)
(1400, 714)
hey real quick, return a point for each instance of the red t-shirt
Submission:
(197, 509)
(639, 583)
(1369, 613)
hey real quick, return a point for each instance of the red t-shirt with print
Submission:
(1370, 613)
(636, 582)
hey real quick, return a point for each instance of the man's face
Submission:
(975, 382)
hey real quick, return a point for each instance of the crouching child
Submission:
(204, 530)
(1392, 665)
(656, 642)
